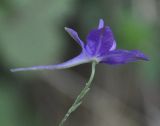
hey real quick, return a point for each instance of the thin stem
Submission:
(78, 100)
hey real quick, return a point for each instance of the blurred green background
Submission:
(32, 33)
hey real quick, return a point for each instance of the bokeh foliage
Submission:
(30, 32)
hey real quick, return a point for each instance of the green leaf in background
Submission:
(14, 109)
(7, 107)
(133, 32)
(29, 32)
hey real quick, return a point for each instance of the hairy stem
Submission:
(78, 100)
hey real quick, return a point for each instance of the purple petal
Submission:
(113, 46)
(123, 56)
(75, 36)
(101, 24)
(100, 41)
(80, 59)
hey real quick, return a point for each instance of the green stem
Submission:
(78, 100)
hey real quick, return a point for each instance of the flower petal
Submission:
(123, 57)
(75, 36)
(100, 41)
(80, 59)
(101, 24)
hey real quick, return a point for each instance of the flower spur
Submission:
(100, 48)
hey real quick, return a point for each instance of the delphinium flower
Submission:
(100, 47)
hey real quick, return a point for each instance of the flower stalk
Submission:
(80, 97)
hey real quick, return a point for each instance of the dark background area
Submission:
(32, 33)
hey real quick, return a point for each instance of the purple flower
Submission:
(100, 47)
